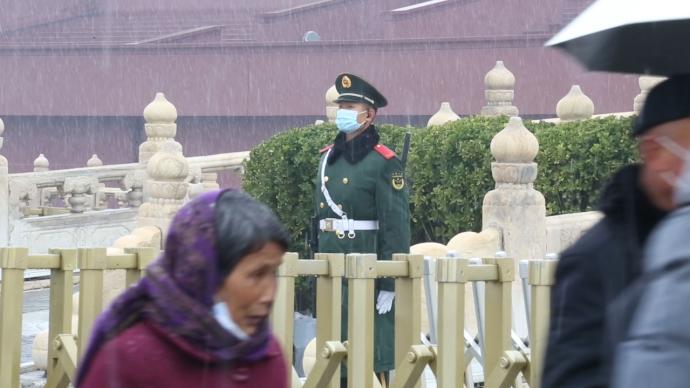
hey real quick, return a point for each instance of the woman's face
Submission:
(250, 288)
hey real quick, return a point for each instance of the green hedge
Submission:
(575, 160)
(449, 168)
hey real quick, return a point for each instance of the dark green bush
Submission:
(575, 159)
(449, 168)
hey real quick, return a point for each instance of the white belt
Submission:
(338, 225)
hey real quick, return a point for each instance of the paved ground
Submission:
(34, 319)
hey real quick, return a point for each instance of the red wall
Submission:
(22, 13)
(292, 80)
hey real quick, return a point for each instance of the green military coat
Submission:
(373, 188)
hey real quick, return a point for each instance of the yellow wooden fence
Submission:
(502, 363)
(65, 349)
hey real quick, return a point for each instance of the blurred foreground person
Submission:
(656, 351)
(592, 274)
(199, 318)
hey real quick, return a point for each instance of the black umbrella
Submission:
(630, 36)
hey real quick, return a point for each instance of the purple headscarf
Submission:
(177, 293)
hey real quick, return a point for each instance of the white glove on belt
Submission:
(384, 302)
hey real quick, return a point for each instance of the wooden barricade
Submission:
(64, 349)
(360, 272)
(329, 270)
(502, 362)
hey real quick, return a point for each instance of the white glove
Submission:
(384, 302)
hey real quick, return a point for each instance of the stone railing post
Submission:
(165, 188)
(94, 161)
(201, 182)
(500, 90)
(646, 82)
(575, 106)
(41, 164)
(133, 183)
(514, 207)
(331, 106)
(78, 189)
(158, 187)
(160, 127)
(445, 114)
(4, 194)
(194, 179)
(22, 194)
(100, 198)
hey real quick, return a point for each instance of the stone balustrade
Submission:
(25, 186)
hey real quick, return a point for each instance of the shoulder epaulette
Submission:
(386, 152)
(326, 148)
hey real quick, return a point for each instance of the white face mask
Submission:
(222, 314)
(680, 183)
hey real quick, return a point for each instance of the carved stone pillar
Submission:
(500, 90)
(575, 106)
(331, 106)
(445, 114)
(646, 82)
(41, 164)
(4, 193)
(165, 188)
(94, 161)
(160, 127)
(514, 207)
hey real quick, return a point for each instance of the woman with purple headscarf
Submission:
(199, 318)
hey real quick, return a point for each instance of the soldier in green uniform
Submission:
(362, 201)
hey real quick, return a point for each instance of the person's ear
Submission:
(647, 146)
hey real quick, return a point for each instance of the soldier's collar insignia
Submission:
(398, 180)
(346, 82)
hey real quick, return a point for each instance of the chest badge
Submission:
(398, 180)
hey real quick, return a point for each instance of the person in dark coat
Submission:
(593, 273)
(656, 348)
(362, 202)
(199, 318)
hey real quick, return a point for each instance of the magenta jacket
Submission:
(146, 356)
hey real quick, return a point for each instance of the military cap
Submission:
(355, 89)
(667, 101)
